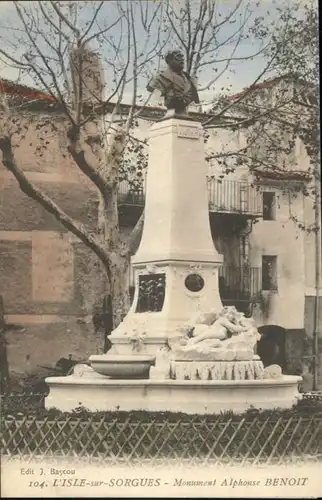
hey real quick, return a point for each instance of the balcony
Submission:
(234, 197)
(131, 194)
(225, 197)
(239, 285)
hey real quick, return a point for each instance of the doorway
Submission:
(271, 346)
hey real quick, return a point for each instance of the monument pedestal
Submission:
(176, 265)
(176, 278)
(216, 370)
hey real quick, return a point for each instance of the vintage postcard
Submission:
(160, 249)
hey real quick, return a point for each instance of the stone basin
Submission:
(187, 396)
(120, 366)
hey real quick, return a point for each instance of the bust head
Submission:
(175, 85)
(175, 60)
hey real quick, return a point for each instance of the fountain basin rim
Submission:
(220, 384)
(122, 358)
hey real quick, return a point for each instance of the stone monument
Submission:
(176, 255)
(178, 348)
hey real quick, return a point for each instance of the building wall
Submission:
(223, 141)
(279, 238)
(47, 279)
(292, 306)
(285, 306)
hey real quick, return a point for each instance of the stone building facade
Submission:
(43, 268)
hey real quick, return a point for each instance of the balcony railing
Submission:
(224, 197)
(234, 197)
(238, 284)
(131, 194)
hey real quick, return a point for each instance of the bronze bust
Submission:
(175, 84)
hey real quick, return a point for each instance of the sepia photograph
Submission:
(160, 249)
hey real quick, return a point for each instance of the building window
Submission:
(269, 272)
(269, 205)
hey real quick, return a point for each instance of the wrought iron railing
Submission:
(131, 193)
(234, 197)
(239, 283)
(224, 196)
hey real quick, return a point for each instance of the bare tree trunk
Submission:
(120, 288)
(117, 270)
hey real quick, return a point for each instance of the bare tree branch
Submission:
(36, 194)
(98, 8)
(49, 19)
(60, 14)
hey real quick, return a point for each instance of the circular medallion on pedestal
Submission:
(194, 282)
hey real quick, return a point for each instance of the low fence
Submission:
(132, 437)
